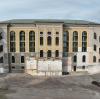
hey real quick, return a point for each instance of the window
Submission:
(22, 59)
(1, 48)
(83, 67)
(94, 59)
(22, 67)
(84, 58)
(99, 50)
(49, 40)
(57, 53)
(95, 47)
(75, 41)
(57, 40)
(22, 41)
(32, 41)
(1, 59)
(99, 60)
(75, 59)
(84, 41)
(95, 36)
(12, 42)
(49, 33)
(41, 40)
(99, 38)
(13, 59)
(41, 53)
(1, 36)
(49, 53)
(65, 43)
(57, 33)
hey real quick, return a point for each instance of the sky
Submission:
(50, 9)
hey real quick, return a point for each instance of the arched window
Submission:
(75, 36)
(12, 42)
(84, 41)
(94, 59)
(75, 59)
(22, 41)
(75, 41)
(49, 53)
(41, 53)
(12, 36)
(57, 53)
(49, 40)
(95, 36)
(32, 41)
(84, 58)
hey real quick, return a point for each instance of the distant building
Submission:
(75, 42)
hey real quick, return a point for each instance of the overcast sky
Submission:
(50, 9)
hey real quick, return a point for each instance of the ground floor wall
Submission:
(68, 65)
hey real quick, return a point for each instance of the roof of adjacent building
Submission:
(31, 21)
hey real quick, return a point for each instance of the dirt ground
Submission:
(24, 86)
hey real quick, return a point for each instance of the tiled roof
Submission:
(30, 21)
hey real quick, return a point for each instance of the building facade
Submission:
(75, 42)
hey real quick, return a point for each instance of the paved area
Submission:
(24, 86)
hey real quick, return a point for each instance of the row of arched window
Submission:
(22, 41)
(83, 58)
(75, 41)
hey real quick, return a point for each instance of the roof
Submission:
(31, 21)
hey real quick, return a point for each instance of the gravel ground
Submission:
(24, 86)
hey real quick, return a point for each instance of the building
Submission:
(75, 42)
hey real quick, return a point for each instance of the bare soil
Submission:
(24, 86)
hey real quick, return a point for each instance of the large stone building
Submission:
(75, 42)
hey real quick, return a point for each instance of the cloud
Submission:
(50, 9)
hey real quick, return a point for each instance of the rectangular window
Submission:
(1, 59)
(57, 40)
(41, 53)
(13, 59)
(22, 59)
(41, 40)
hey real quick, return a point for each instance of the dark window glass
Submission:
(13, 59)
(41, 40)
(41, 53)
(84, 41)
(32, 41)
(57, 53)
(22, 59)
(95, 36)
(94, 59)
(1, 59)
(57, 40)
(95, 47)
(75, 59)
(49, 40)
(1, 48)
(75, 41)
(84, 58)
(49, 53)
